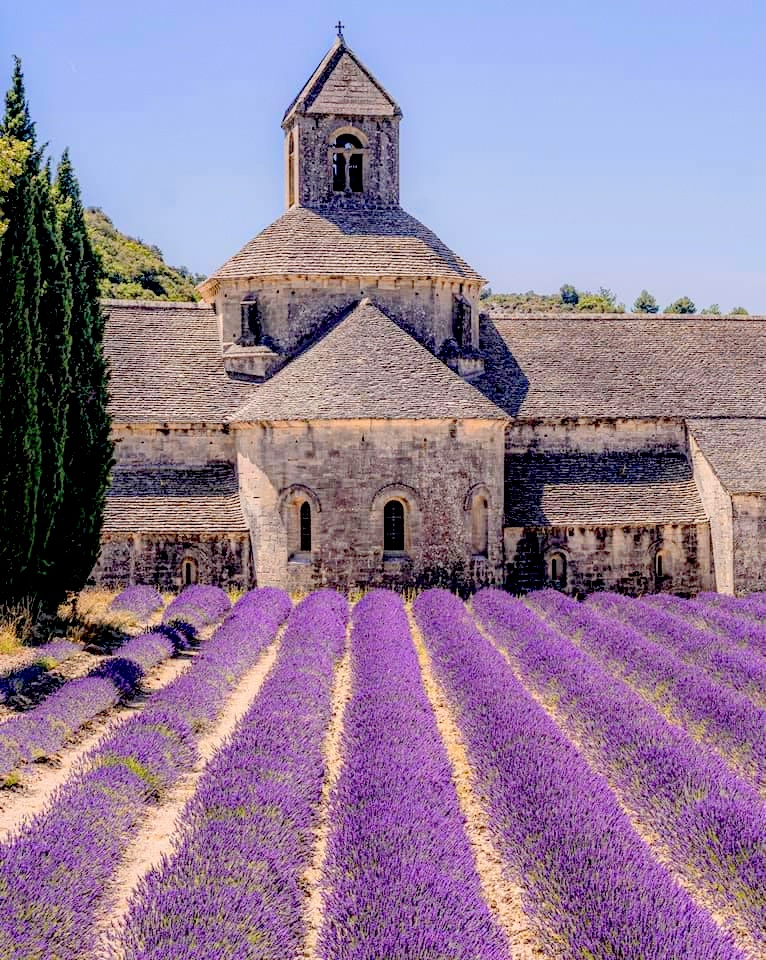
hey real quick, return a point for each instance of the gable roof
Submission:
(736, 450)
(591, 488)
(387, 242)
(174, 499)
(166, 366)
(366, 367)
(342, 84)
(553, 367)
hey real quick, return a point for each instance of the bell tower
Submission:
(342, 137)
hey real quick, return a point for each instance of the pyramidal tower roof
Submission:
(342, 84)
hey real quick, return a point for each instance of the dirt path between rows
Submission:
(40, 780)
(501, 893)
(728, 922)
(158, 831)
(312, 880)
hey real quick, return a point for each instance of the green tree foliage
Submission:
(54, 384)
(645, 303)
(712, 311)
(55, 448)
(20, 291)
(683, 306)
(739, 312)
(604, 301)
(569, 295)
(134, 270)
(88, 454)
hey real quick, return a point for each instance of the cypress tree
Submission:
(88, 447)
(20, 287)
(54, 388)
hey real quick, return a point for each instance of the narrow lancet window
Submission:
(393, 527)
(305, 527)
(480, 526)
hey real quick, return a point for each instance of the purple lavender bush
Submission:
(398, 861)
(233, 886)
(141, 600)
(54, 872)
(741, 631)
(738, 667)
(15, 682)
(711, 823)
(199, 605)
(724, 719)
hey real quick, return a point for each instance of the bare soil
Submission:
(333, 758)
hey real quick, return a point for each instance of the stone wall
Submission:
(718, 507)
(296, 311)
(192, 446)
(347, 470)
(614, 557)
(223, 559)
(313, 165)
(749, 520)
(586, 435)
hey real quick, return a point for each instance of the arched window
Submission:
(291, 168)
(557, 569)
(659, 566)
(347, 164)
(305, 527)
(189, 571)
(393, 527)
(479, 525)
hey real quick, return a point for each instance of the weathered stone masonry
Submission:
(338, 411)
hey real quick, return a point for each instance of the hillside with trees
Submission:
(133, 269)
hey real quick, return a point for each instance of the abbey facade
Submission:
(339, 411)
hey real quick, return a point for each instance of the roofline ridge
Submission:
(155, 304)
(587, 315)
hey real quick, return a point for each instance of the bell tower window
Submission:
(348, 164)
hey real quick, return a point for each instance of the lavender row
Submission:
(43, 731)
(398, 862)
(740, 630)
(53, 873)
(15, 682)
(725, 720)
(737, 667)
(711, 823)
(233, 886)
(752, 607)
(140, 600)
(589, 881)
(201, 606)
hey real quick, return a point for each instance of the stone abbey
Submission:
(339, 411)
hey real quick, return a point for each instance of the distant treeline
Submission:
(569, 299)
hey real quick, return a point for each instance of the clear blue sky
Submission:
(614, 142)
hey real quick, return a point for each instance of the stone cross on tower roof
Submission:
(339, 27)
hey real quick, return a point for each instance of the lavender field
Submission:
(435, 780)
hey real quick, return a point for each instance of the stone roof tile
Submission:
(736, 450)
(346, 242)
(626, 366)
(366, 367)
(156, 498)
(608, 488)
(166, 364)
